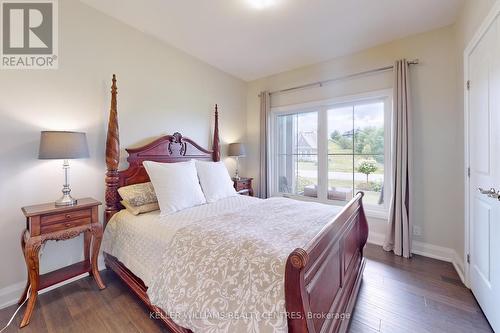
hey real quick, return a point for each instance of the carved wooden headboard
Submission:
(167, 149)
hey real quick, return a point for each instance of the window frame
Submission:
(322, 108)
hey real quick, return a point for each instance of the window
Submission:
(329, 151)
(297, 158)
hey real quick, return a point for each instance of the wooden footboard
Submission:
(322, 279)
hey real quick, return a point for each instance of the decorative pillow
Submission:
(176, 185)
(150, 207)
(138, 194)
(215, 180)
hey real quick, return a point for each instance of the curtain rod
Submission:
(350, 76)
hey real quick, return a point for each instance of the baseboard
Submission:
(10, 295)
(375, 238)
(428, 250)
(458, 263)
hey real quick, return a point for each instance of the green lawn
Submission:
(338, 164)
(334, 148)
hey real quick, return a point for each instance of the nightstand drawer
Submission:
(63, 225)
(242, 185)
(47, 220)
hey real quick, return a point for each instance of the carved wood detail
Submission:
(96, 231)
(112, 157)
(308, 270)
(31, 249)
(65, 234)
(166, 149)
(34, 237)
(216, 144)
(23, 246)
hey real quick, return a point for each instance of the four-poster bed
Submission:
(321, 279)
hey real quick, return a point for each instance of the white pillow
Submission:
(215, 180)
(176, 185)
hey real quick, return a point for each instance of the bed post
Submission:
(216, 144)
(112, 158)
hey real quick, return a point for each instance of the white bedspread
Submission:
(225, 273)
(218, 267)
(139, 241)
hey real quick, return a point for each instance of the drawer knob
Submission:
(68, 216)
(67, 225)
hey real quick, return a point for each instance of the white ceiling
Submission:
(250, 43)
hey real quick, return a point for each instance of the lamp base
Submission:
(66, 200)
(236, 172)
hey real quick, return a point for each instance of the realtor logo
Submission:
(29, 34)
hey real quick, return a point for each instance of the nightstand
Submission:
(243, 186)
(48, 222)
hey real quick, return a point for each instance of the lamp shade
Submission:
(63, 145)
(237, 149)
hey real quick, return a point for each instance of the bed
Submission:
(318, 280)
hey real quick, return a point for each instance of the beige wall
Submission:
(438, 88)
(437, 122)
(471, 16)
(161, 90)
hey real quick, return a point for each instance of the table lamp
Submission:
(237, 150)
(62, 145)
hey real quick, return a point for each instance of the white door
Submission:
(484, 162)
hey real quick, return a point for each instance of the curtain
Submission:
(398, 235)
(265, 110)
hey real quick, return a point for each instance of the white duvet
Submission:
(218, 267)
(139, 241)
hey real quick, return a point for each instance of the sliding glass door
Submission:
(330, 151)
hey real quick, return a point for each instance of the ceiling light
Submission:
(261, 4)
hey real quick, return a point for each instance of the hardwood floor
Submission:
(397, 295)
(417, 295)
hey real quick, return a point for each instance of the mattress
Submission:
(140, 242)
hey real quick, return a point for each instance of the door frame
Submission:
(480, 32)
